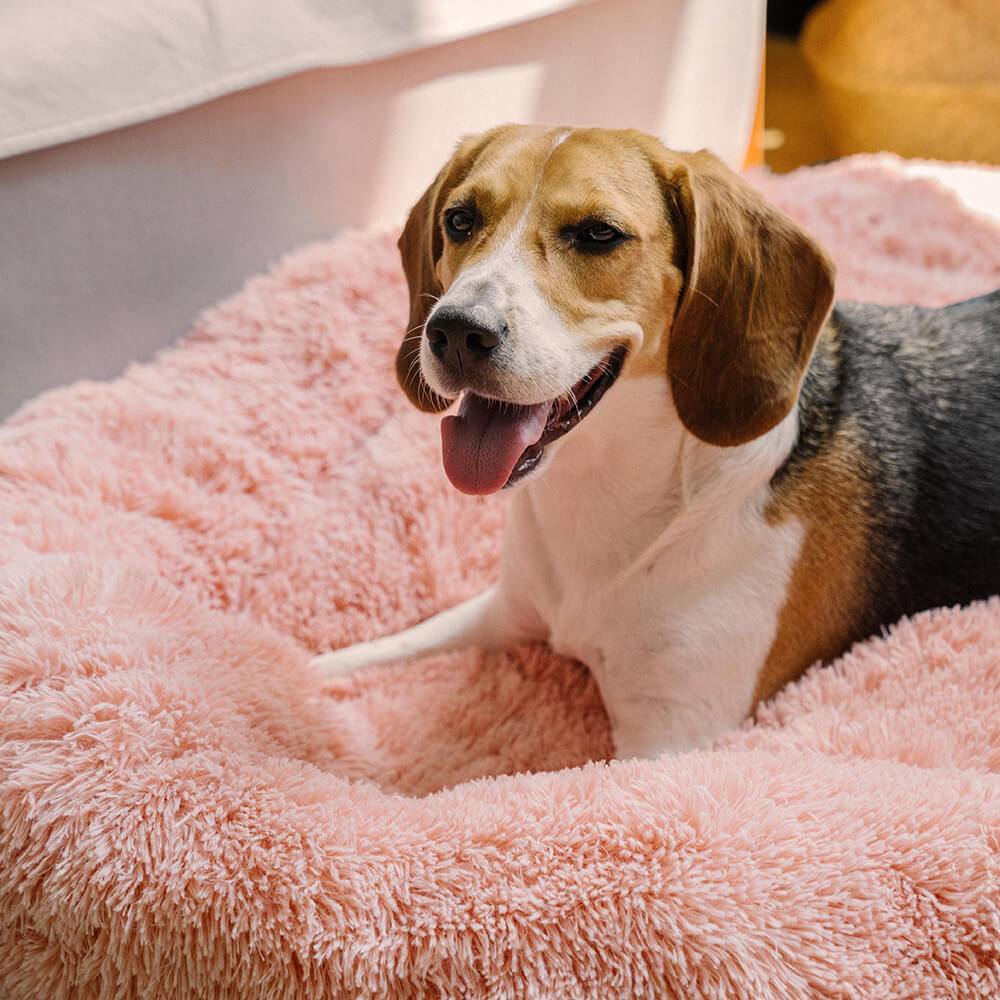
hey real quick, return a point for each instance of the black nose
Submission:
(459, 341)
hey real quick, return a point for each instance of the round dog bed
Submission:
(187, 811)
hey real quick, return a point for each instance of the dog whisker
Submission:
(708, 298)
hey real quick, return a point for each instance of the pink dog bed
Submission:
(186, 811)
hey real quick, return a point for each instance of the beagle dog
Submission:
(715, 480)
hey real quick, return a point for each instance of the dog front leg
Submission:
(483, 620)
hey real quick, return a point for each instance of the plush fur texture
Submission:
(186, 812)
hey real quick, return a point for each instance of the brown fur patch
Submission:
(827, 606)
(758, 290)
(613, 176)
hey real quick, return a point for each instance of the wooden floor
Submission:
(793, 118)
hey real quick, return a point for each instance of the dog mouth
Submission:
(490, 444)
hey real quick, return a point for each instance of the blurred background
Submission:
(920, 78)
(153, 157)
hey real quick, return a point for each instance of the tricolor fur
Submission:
(715, 481)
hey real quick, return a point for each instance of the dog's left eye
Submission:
(459, 223)
(595, 236)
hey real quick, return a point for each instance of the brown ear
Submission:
(420, 247)
(757, 291)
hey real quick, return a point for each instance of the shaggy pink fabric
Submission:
(186, 811)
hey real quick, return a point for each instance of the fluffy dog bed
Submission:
(186, 811)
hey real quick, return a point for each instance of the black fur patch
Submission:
(916, 392)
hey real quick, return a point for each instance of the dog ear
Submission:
(757, 291)
(420, 247)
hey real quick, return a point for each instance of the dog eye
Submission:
(595, 236)
(459, 223)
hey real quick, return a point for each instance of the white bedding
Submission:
(69, 70)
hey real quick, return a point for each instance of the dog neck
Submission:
(632, 465)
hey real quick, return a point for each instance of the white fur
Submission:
(646, 555)
(539, 359)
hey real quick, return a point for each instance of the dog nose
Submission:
(459, 341)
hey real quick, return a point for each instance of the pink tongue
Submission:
(481, 444)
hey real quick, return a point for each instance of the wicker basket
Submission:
(918, 77)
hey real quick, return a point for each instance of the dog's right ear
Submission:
(420, 247)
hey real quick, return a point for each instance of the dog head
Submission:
(546, 264)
